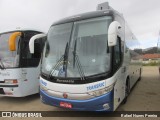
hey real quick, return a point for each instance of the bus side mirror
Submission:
(32, 40)
(113, 32)
(12, 40)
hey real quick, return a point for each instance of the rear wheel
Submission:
(127, 91)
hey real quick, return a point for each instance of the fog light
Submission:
(106, 106)
(15, 81)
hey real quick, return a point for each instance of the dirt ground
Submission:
(144, 97)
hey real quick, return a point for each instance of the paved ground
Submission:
(144, 97)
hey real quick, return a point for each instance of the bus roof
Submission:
(87, 15)
(19, 29)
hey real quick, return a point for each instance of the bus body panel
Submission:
(53, 94)
(119, 88)
(27, 82)
(77, 89)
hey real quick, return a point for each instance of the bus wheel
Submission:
(127, 91)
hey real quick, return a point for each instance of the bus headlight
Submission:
(102, 91)
(11, 81)
(43, 88)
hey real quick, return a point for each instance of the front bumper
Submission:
(11, 91)
(95, 104)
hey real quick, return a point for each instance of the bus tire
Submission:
(127, 91)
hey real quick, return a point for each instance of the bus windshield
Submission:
(77, 49)
(8, 59)
(21, 57)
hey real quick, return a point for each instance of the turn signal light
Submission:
(13, 81)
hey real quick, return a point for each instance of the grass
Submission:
(152, 64)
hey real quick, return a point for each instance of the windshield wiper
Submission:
(76, 58)
(1, 65)
(63, 59)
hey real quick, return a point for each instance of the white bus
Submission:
(19, 69)
(90, 62)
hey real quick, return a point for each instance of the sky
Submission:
(142, 15)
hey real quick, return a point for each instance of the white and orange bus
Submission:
(19, 69)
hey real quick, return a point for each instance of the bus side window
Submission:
(117, 54)
(28, 59)
(37, 49)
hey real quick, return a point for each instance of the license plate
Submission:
(65, 105)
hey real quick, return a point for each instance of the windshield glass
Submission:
(58, 37)
(8, 59)
(77, 49)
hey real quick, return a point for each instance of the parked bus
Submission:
(90, 61)
(19, 69)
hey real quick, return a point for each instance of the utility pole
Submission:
(158, 43)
